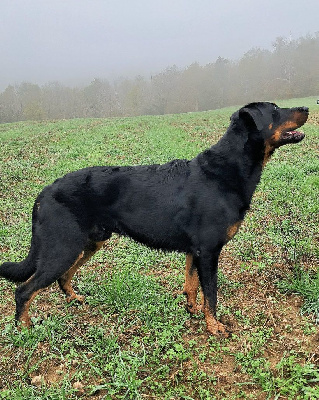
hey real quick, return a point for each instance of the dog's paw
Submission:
(216, 328)
(75, 297)
(193, 308)
(23, 323)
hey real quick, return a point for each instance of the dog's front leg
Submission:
(207, 264)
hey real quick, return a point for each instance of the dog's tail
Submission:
(17, 272)
(21, 271)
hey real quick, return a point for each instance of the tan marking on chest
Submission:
(233, 229)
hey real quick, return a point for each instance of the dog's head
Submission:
(270, 126)
(274, 125)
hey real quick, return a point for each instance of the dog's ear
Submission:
(252, 116)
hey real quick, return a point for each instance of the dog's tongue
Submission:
(294, 136)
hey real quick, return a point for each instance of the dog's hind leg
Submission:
(65, 279)
(49, 270)
(61, 246)
(191, 286)
(24, 295)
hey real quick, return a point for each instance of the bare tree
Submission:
(291, 69)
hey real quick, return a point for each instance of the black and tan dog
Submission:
(191, 206)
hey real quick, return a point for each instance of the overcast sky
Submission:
(74, 41)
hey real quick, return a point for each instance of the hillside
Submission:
(133, 338)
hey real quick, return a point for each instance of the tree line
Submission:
(289, 69)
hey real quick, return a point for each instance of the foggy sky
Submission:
(74, 41)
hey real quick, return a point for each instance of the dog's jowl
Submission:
(191, 206)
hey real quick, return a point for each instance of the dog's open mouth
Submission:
(292, 137)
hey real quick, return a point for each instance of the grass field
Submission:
(133, 339)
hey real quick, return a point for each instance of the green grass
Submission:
(132, 338)
(306, 284)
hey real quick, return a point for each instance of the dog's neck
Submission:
(235, 162)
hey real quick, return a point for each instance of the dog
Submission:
(192, 206)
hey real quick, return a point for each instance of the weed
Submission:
(289, 378)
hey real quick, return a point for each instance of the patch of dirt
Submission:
(256, 303)
(248, 301)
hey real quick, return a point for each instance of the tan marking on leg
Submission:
(201, 297)
(24, 317)
(191, 285)
(65, 280)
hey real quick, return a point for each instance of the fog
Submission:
(75, 41)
